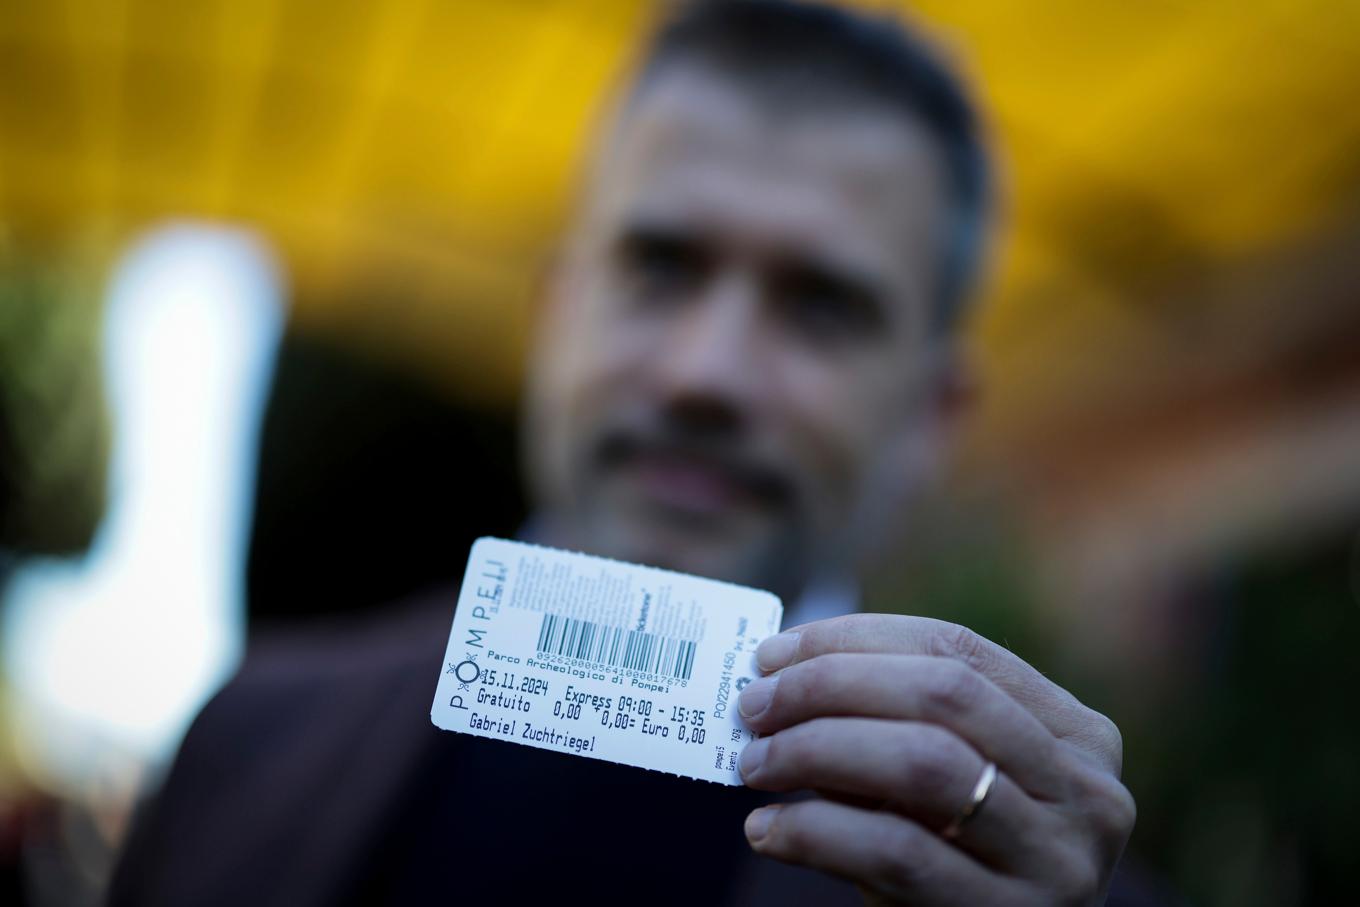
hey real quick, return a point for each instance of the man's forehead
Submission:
(684, 110)
(690, 144)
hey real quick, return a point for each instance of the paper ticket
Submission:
(601, 658)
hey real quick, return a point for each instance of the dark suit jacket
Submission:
(316, 778)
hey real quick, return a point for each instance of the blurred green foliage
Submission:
(54, 425)
(1251, 779)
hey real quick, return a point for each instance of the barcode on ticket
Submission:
(616, 647)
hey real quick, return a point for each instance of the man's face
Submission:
(731, 372)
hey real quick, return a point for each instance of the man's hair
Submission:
(798, 55)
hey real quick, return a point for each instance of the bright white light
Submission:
(110, 657)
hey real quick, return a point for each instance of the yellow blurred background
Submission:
(421, 153)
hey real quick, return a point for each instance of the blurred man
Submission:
(746, 361)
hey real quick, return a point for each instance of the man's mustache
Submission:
(764, 480)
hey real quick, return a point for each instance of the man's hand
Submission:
(892, 720)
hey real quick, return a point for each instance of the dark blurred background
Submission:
(1159, 499)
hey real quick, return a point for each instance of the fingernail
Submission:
(777, 651)
(757, 695)
(753, 755)
(758, 823)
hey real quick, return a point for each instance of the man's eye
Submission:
(660, 266)
(827, 310)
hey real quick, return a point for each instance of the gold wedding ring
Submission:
(981, 791)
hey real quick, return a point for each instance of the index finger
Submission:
(1058, 710)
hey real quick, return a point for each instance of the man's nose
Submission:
(710, 367)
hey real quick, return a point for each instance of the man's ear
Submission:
(552, 295)
(939, 414)
(955, 389)
(558, 280)
(915, 456)
(548, 282)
